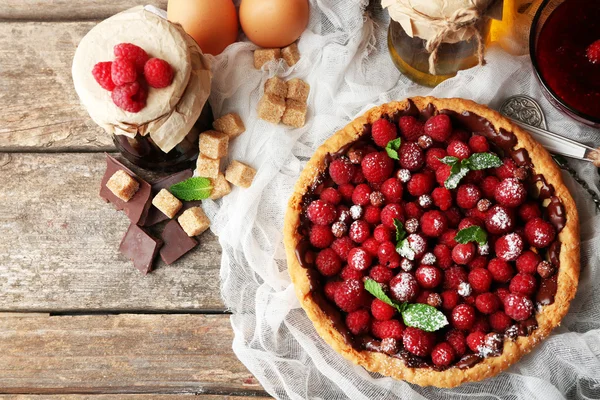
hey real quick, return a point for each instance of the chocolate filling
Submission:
(505, 141)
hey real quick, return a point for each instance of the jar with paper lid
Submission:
(431, 40)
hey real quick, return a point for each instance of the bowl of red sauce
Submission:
(565, 52)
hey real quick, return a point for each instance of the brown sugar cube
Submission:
(123, 185)
(194, 221)
(263, 56)
(220, 188)
(207, 167)
(240, 174)
(271, 108)
(167, 203)
(290, 54)
(214, 144)
(231, 124)
(276, 86)
(295, 113)
(298, 90)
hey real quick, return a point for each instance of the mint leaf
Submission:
(400, 232)
(403, 248)
(392, 148)
(195, 188)
(458, 171)
(449, 160)
(471, 234)
(375, 289)
(424, 317)
(479, 161)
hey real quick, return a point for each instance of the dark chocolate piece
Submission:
(154, 214)
(176, 243)
(140, 247)
(137, 207)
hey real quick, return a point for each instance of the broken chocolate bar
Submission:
(155, 215)
(176, 242)
(140, 247)
(137, 207)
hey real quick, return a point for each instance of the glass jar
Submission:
(143, 152)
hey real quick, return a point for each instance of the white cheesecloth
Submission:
(346, 62)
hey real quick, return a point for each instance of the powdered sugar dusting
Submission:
(356, 212)
(428, 259)
(464, 289)
(501, 219)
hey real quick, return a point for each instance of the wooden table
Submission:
(77, 320)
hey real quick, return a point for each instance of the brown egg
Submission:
(274, 23)
(212, 23)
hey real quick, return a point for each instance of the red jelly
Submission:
(561, 55)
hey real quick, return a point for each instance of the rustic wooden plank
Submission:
(170, 354)
(191, 396)
(59, 245)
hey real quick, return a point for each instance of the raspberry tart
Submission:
(433, 241)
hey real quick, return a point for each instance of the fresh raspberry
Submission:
(480, 280)
(498, 220)
(454, 276)
(434, 300)
(423, 296)
(134, 53)
(509, 247)
(420, 184)
(342, 247)
(439, 128)
(518, 307)
(481, 324)
(510, 193)
(469, 222)
(442, 173)
(539, 233)
(386, 252)
(346, 191)
(462, 254)
(123, 71)
(479, 144)
(442, 198)
(463, 317)
(391, 212)
(372, 214)
(477, 215)
(382, 311)
(450, 299)
(413, 210)
(103, 75)
(381, 274)
(487, 303)
(321, 236)
(387, 329)
(381, 233)
(356, 212)
(502, 293)
(403, 175)
(443, 255)
(351, 273)
(433, 223)
(529, 211)
(339, 229)
(320, 212)
(418, 342)
(527, 262)
(130, 97)
(418, 244)
(474, 177)
(359, 177)
(392, 190)
(456, 339)
(350, 295)
(458, 149)
(442, 354)
(476, 341)
(362, 194)
(593, 52)
(483, 205)
(467, 196)
(383, 131)
(433, 157)
(341, 171)
(358, 322)
(371, 246)
(330, 288)
(411, 128)
(377, 167)
(488, 186)
(454, 216)
(377, 199)
(459, 135)
(524, 284)
(428, 276)
(501, 270)
(158, 73)
(448, 238)
(404, 287)
(411, 156)
(331, 196)
(499, 321)
(359, 231)
(328, 262)
(506, 170)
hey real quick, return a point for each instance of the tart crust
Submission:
(550, 315)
